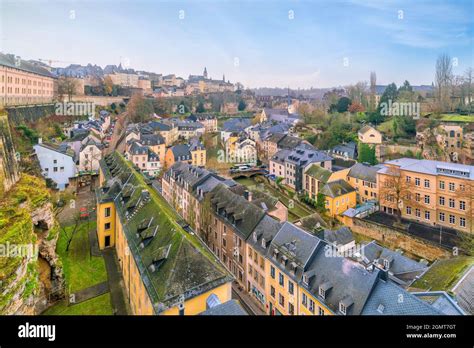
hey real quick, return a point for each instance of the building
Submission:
(144, 158)
(345, 151)
(339, 196)
(435, 193)
(234, 125)
(369, 135)
(193, 153)
(168, 131)
(295, 164)
(165, 270)
(233, 220)
(280, 141)
(207, 120)
(156, 143)
(124, 79)
(24, 82)
(241, 149)
(279, 115)
(90, 154)
(363, 178)
(57, 162)
(315, 177)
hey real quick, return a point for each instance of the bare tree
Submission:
(396, 192)
(67, 86)
(70, 230)
(444, 76)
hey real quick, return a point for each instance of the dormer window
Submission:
(283, 260)
(342, 308)
(275, 253)
(386, 264)
(305, 279)
(255, 236)
(322, 292)
(264, 243)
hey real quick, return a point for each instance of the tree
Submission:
(320, 203)
(200, 108)
(443, 78)
(366, 154)
(396, 192)
(108, 85)
(242, 105)
(343, 104)
(356, 107)
(70, 230)
(139, 109)
(67, 86)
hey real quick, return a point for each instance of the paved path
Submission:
(94, 243)
(88, 293)
(116, 286)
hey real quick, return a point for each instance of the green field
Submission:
(99, 305)
(457, 118)
(444, 273)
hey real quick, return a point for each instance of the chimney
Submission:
(248, 195)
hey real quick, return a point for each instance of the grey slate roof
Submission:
(336, 188)
(20, 64)
(236, 124)
(364, 172)
(342, 279)
(341, 236)
(235, 210)
(280, 156)
(349, 150)
(231, 307)
(151, 139)
(159, 126)
(464, 290)
(181, 152)
(441, 301)
(266, 230)
(389, 299)
(402, 269)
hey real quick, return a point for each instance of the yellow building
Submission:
(433, 192)
(363, 178)
(165, 270)
(369, 135)
(340, 196)
(315, 177)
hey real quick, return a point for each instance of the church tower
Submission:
(205, 73)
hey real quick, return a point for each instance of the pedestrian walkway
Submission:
(246, 301)
(88, 293)
(94, 243)
(117, 295)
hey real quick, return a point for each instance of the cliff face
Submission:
(28, 230)
(9, 173)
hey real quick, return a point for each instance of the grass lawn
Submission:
(444, 273)
(298, 211)
(80, 268)
(99, 305)
(457, 118)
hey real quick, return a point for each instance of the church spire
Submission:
(205, 73)
(223, 77)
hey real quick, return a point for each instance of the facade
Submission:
(363, 178)
(193, 153)
(241, 149)
(57, 163)
(144, 158)
(441, 193)
(23, 82)
(151, 258)
(315, 177)
(124, 79)
(89, 155)
(340, 196)
(207, 120)
(167, 131)
(369, 135)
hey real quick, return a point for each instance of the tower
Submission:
(205, 73)
(223, 78)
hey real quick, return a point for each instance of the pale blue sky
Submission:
(272, 49)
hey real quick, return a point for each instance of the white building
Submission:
(57, 163)
(90, 155)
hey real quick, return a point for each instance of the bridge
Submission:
(248, 173)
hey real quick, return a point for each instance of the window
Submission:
(55, 161)
(304, 300)
(427, 199)
(417, 212)
(55, 169)
(441, 200)
(107, 212)
(250, 270)
(408, 179)
(321, 311)
(272, 272)
(291, 309)
(462, 205)
(441, 217)
(311, 306)
(322, 293)
(272, 291)
(61, 169)
(427, 215)
(462, 222)
(408, 210)
(417, 197)
(291, 288)
(281, 279)
(417, 181)
(281, 300)
(107, 226)
(342, 308)
(452, 219)
(452, 203)
(451, 186)
(427, 183)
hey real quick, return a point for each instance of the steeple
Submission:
(205, 73)
(223, 78)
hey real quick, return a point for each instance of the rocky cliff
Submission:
(28, 231)
(9, 173)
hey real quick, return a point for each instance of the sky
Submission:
(260, 43)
